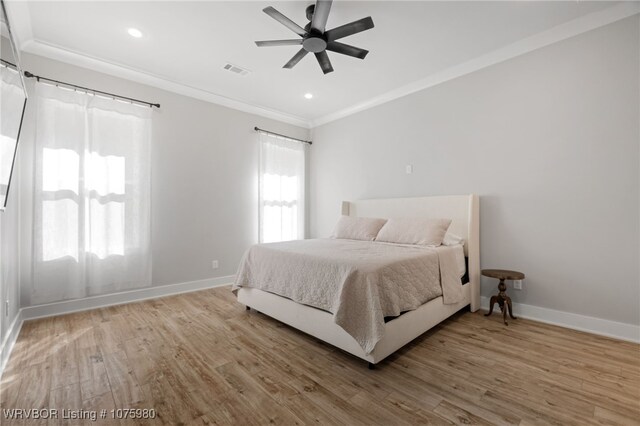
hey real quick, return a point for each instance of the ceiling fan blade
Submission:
(296, 58)
(325, 63)
(349, 29)
(284, 20)
(345, 49)
(267, 43)
(320, 15)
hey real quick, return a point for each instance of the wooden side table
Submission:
(502, 299)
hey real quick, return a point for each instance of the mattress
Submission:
(359, 282)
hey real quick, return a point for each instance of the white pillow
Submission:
(427, 232)
(357, 228)
(452, 240)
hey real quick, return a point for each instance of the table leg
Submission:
(510, 306)
(504, 312)
(491, 303)
(503, 301)
(502, 297)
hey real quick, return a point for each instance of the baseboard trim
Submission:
(101, 301)
(10, 341)
(602, 327)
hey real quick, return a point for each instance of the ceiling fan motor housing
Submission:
(314, 44)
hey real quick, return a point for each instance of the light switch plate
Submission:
(517, 284)
(214, 264)
(408, 169)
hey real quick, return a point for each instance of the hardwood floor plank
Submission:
(458, 415)
(168, 404)
(331, 403)
(124, 386)
(260, 403)
(140, 355)
(405, 385)
(68, 397)
(64, 366)
(609, 417)
(201, 358)
(102, 402)
(92, 373)
(10, 388)
(230, 410)
(409, 407)
(35, 387)
(384, 413)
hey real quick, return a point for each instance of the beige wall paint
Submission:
(550, 142)
(204, 177)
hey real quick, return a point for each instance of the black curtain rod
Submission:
(112, 95)
(257, 129)
(8, 64)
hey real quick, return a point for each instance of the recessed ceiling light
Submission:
(134, 32)
(308, 95)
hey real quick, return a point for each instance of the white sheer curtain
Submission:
(91, 216)
(12, 99)
(282, 184)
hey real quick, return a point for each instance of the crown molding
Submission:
(19, 14)
(561, 32)
(20, 20)
(61, 54)
(20, 17)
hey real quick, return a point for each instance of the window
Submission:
(282, 183)
(92, 197)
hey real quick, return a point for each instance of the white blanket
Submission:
(359, 282)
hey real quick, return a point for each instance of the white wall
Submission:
(204, 177)
(550, 142)
(9, 261)
(9, 269)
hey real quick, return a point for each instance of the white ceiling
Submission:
(189, 42)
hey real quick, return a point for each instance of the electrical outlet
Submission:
(214, 264)
(517, 284)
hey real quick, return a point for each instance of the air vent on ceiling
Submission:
(236, 69)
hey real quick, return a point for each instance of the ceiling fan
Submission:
(315, 38)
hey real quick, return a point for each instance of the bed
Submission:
(371, 340)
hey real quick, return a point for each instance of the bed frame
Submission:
(464, 212)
